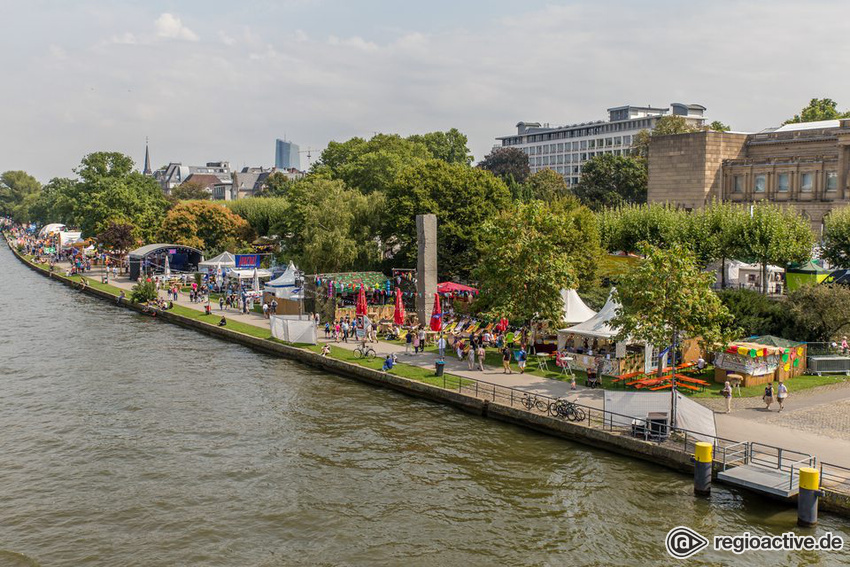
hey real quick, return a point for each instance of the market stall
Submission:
(220, 264)
(761, 360)
(798, 275)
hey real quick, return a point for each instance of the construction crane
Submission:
(309, 151)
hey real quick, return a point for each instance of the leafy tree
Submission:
(449, 146)
(547, 185)
(773, 235)
(665, 126)
(205, 225)
(530, 253)
(119, 238)
(51, 203)
(262, 213)
(757, 314)
(718, 126)
(507, 163)
(667, 295)
(461, 197)
(836, 237)
(714, 233)
(18, 190)
(191, 191)
(822, 311)
(625, 228)
(818, 109)
(609, 181)
(276, 185)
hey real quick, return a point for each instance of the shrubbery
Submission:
(143, 291)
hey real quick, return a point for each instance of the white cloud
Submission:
(356, 42)
(124, 39)
(226, 39)
(169, 26)
(57, 52)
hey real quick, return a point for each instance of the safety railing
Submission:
(735, 454)
(835, 478)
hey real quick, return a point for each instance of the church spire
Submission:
(147, 170)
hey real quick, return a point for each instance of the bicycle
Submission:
(533, 402)
(566, 409)
(364, 352)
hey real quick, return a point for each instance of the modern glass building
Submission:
(286, 155)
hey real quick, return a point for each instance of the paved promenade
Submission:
(814, 421)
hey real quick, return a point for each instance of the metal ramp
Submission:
(765, 469)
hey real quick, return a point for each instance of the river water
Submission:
(129, 441)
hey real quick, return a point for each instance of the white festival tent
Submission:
(283, 286)
(575, 311)
(248, 274)
(597, 326)
(224, 260)
(51, 228)
(68, 238)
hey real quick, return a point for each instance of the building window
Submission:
(831, 180)
(739, 184)
(783, 182)
(806, 181)
(761, 183)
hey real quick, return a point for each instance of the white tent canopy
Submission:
(575, 311)
(248, 274)
(283, 286)
(223, 260)
(597, 326)
(67, 238)
(53, 227)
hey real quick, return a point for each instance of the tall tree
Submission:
(18, 190)
(461, 197)
(625, 228)
(205, 225)
(610, 181)
(276, 185)
(714, 233)
(668, 295)
(836, 237)
(819, 109)
(507, 163)
(530, 253)
(118, 239)
(449, 146)
(821, 310)
(264, 214)
(773, 235)
(191, 191)
(547, 185)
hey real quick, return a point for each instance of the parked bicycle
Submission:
(533, 402)
(364, 351)
(566, 409)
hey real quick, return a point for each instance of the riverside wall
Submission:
(627, 446)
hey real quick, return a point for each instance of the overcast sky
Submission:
(213, 80)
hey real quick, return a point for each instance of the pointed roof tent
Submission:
(597, 326)
(286, 279)
(223, 260)
(809, 267)
(575, 310)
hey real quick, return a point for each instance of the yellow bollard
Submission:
(807, 499)
(702, 467)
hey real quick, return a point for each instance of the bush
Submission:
(143, 292)
(757, 314)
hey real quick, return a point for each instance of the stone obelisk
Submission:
(426, 268)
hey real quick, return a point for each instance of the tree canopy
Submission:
(818, 109)
(18, 192)
(205, 225)
(836, 237)
(507, 164)
(191, 191)
(547, 185)
(718, 126)
(610, 181)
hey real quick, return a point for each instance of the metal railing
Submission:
(835, 478)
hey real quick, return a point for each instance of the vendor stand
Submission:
(760, 360)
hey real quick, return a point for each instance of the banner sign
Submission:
(247, 261)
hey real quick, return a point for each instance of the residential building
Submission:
(805, 166)
(566, 148)
(249, 181)
(176, 173)
(286, 155)
(220, 189)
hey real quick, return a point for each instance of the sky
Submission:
(221, 80)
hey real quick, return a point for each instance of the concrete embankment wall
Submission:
(628, 446)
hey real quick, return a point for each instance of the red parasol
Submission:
(361, 302)
(398, 315)
(437, 315)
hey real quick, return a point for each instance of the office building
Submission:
(805, 166)
(565, 149)
(286, 155)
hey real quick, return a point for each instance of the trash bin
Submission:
(440, 365)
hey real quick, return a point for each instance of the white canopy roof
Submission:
(249, 274)
(597, 326)
(223, 260)
(53, 227)
(283, 286)
(575, 311)
(68, 238)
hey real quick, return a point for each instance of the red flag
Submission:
(361, 308)
(398, 315)
(437, 315)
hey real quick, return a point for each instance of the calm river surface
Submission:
(127, 441)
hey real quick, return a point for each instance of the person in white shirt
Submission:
(441, 347)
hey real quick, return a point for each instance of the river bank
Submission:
(473, 396)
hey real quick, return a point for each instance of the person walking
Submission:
(221, 303)
(506, 360)
(521, 359)
(266, 310)
(441, 347)
(422, 339)
(416, 343)
(768, 396)
(408, 342)
(727, 393)
(482, 353)
(781, 394)
(470, 357)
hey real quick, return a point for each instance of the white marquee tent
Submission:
(597, 326)
(575, 311)
(224, 260)
(283, 286)
(50, 228)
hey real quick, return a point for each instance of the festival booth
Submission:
(796, 276)
(343, 289)
(51, 228)
(283, 290)
(592, 341)
(68, 238)
(249, 278)
(156, 257)
(761, 360)
(218, 265)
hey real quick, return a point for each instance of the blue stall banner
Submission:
(247, 261)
